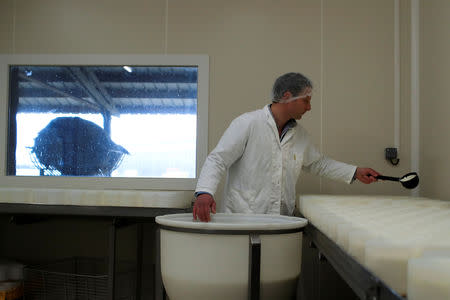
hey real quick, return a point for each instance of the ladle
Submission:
(409, 181)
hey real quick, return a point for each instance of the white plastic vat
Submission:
(211, 260)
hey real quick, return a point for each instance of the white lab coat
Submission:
(262, 171)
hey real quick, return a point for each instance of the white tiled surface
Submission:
(121, 198)
(384, 233)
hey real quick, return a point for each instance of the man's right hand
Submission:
(202, 207)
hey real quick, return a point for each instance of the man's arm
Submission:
(229, 149)
(319, 164)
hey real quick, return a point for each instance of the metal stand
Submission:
(112, 258)
(160, 293)
(116, 224)
(254, 267)
(139, 259)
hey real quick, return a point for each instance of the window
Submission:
(114, 118)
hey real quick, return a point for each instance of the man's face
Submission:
(299, 107)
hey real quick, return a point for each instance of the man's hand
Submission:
(202, 207)
(366, 175)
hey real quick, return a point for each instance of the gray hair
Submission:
(295, 83)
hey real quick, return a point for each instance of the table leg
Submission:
(112, 259)
(159, 286)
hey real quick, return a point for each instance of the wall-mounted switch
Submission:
(391, 155)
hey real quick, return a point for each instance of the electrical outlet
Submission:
(390, 153)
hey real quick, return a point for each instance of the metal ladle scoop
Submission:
(409, 181)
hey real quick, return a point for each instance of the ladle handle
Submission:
(387, 178)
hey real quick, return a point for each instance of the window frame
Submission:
(106, 183)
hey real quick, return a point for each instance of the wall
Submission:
(434, 98)
(346, 47)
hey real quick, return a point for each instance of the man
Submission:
(263, 153)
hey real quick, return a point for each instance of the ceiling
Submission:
(111, 90)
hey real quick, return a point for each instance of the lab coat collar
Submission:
(271, 120)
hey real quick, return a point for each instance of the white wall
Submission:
(435, 98)
(346, 47)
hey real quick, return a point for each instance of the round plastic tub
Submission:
(222, 259)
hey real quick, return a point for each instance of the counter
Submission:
(383, 236)
(120, 207)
